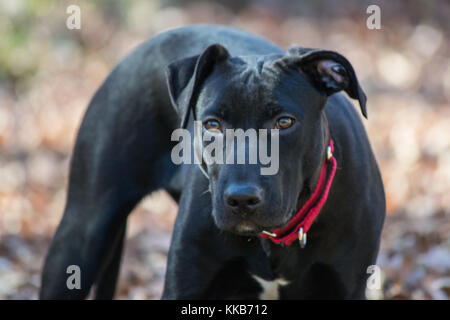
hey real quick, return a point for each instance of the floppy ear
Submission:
(328, 71)
(186, 75)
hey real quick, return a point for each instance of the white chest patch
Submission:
(270, 288)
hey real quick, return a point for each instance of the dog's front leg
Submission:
(193, 263)
(197, 252)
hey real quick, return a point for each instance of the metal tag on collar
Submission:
(329, 153)
(302, 238)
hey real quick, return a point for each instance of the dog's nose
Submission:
(243, 198)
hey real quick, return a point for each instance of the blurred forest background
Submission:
(48, 74)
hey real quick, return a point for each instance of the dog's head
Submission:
(286, 93)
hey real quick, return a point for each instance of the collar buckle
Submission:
(270, 234)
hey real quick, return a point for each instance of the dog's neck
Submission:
(304, 195)
(311, 181)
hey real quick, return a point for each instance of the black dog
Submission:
(226, 241)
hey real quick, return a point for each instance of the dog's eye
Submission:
(212, 125)
(284, 123)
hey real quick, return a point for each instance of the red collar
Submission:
(299, 225)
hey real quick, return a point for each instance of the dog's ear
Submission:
(186, 75)
(328, 71)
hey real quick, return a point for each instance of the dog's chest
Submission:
(270, 288)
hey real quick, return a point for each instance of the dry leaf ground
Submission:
(48, 74)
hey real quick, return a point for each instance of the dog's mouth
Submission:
(251, 225)
(247, 228)
(250, 228)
